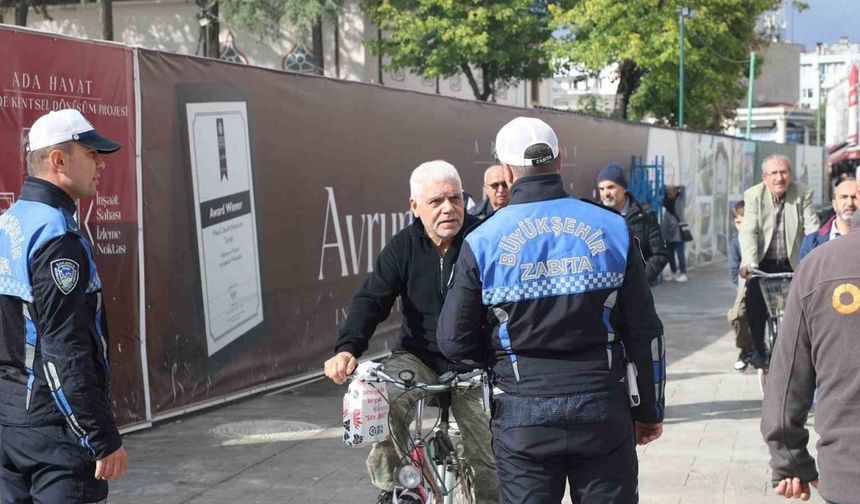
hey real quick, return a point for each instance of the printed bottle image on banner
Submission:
(226, 220)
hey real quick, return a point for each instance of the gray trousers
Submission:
(467, 408)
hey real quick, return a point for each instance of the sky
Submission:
(824, 21)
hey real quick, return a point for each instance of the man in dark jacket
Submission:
(737, 314)
(57, 431)
(418, 265)
(844, 206)
(817, 347)
(673, 218)
(497, 194)
(643, 223)
(550, 292)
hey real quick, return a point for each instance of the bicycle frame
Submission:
(774, 296)
(440, 476)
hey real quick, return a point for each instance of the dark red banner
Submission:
(40, 73)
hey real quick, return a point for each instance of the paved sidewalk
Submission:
(711, 451)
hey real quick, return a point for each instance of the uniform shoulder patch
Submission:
(65, 273)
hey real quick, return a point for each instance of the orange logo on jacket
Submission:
(846, 299)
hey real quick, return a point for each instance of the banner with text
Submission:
(271, 196)
(40, 73)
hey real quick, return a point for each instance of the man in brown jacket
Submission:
(818, 346)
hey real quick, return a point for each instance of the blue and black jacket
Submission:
(546, 291)
(53, 331)
(816, 238)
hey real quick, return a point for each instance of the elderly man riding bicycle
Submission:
(417, 265)
(778, 215)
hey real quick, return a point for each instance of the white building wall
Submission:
(573, 89)
(171, 25)
(837, 114)
(830, 65)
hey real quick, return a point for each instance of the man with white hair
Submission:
(418, 265)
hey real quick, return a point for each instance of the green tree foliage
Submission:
(641, 37)
(266, 18)
(492, 42)
(591, 104)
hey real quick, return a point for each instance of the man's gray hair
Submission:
(432, 171)
(775, 157)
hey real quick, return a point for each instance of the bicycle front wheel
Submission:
(463, 492)
(456, 474)
(772, 332)
(772, 329)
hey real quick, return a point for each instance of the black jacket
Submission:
(546, 290)
(484, 210)
(55, 336)
(645, 228)
(410, 267)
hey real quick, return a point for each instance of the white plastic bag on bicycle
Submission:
(365, 409)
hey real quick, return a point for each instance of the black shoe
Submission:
(758, 360)
(385, 497)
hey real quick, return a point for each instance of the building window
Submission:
(299, 60)
(231, 52)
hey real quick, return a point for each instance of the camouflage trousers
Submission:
(737, 316)
(467, 408)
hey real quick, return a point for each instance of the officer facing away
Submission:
(550, 292)
(59, 440)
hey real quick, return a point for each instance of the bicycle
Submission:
(774, 289)
(435, 471)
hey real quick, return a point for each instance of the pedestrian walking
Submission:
(737, 314)
(673, 226)
(612, 185)
(817, 348)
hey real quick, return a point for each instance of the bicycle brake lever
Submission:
(447, 377)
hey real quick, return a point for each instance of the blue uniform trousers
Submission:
(45, 465)
(586, 440)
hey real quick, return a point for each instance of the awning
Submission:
(846, 153)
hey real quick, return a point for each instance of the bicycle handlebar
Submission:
(757, 273)
(469, 380)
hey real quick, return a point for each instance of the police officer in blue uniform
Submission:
(58, 438)
(551, 292)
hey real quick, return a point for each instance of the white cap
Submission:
(520, 134)
(66, 125)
